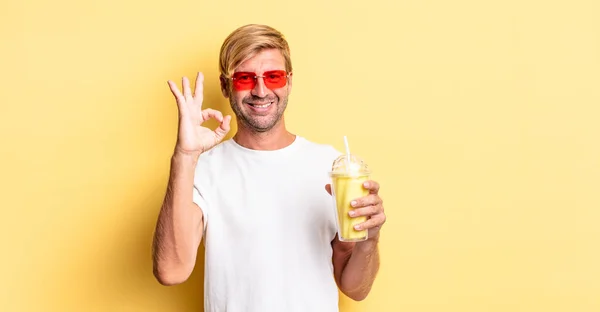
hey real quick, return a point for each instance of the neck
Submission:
(276, 138)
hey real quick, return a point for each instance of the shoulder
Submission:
(319, 150)
(216, 153)
(212, 161)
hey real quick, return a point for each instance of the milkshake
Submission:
(348, 174)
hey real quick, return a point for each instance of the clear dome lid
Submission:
(349, 165)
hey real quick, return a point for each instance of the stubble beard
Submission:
(258, 123)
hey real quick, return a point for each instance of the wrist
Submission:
(369, 245)
(184, 157)
(184, 154)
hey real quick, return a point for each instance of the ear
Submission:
(224, 86)
(290, 83)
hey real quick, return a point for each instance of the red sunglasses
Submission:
(273, 79)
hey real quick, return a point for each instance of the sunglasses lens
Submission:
(275, 79)
(243, 81)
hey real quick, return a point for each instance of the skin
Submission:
(179, 226)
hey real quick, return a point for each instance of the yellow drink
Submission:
(346, 188)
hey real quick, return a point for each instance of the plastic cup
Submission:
(348, 173)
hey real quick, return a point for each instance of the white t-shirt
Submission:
(269, 223)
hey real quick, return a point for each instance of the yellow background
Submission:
(480, 119)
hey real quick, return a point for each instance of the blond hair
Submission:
(247, 41)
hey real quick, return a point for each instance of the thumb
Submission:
(223, 128)
(328, 188)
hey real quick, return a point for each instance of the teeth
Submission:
(263, 106)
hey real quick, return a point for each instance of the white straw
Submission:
(347, 151)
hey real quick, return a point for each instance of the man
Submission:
(261, 200)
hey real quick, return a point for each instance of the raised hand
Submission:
(192, 137)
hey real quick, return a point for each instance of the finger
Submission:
(199, 86)
(186, 88)
(375, 221)
(328, 188)
(175, 91)
(223, 128)
(211, 113)
(366, 211)
(368, 200)
(372, 186)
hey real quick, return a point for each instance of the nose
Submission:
(260, 90)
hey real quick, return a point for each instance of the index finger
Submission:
(212, 113)
(175, 91)
(372, 186)
(199, 86)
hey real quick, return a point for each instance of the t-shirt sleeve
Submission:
(334, 153)
(199, 200)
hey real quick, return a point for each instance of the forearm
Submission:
(360, 271)
(179, 226)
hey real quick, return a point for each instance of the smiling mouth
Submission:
(261, 105)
